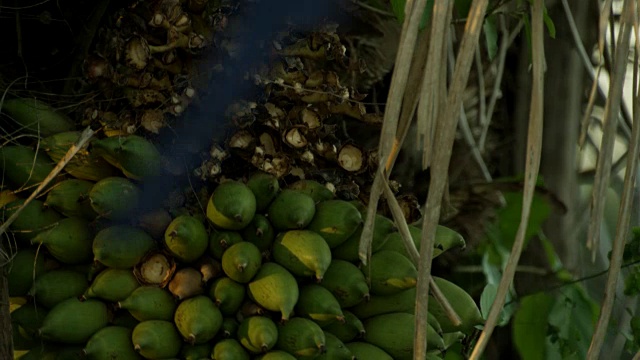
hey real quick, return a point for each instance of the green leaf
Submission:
(486, 300)
(551, 28)
(491, 36)
(397, 6)
(530, 326)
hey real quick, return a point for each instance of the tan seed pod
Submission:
(295, 138)
(155, 269)
(186, 283)
(310, 118)
(351, 158)
(210, 268)
(242, 140)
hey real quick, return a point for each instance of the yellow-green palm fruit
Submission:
(346, 282)
(136, 156)
(121, 246)
(150, 303)
(404, 301)
(231, 206)
(275, 289)
(36, 117)
(109, 343)
(335, 349)
(34, 218)
(228, 295)
(291, 210)
(445, 239)
(260, 233)
(22, 166)
(114, 198)
(363, 350)
(186, 238)
(112, 285)
(25, 322)
(389, 273)
(156, 339)
(258, 334)
(196, 352)
(303, 252)
(433, 321)
(348, 250)
(394, 332)
(53, 287)
(198, 319)
(84, 165)
(6, 197)
(229, 327)
(276, 355)
(73, 321)
(229, 349)
(335, 221)
(220, 241)
(70, 241)
(461, 302)
(71, 198)
(301, 338)
(241, 262)
(348, 330)
(265, 187)
(24, 268)
(317, 191)
(318, 304)
(453, 338)
(395, 243)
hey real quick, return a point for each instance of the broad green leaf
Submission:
(486, 300)
(491, 36)
(530, 326)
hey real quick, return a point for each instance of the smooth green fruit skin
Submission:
(335, 349)
(318, 304)
(73, 321)
(395, 243)
(229, 349)
(275, 289)
(34, 218)
(335, 221)
(156, 339)
(277, 355)
(231, 206)
(301, 337)
(461, 302)
(70, 241)
(260, 232)
(22, 166)
(122, 246)
(196, 352)
(228, 295)
(198, 319)
(114, 198)
(113, 285)
(291, 210)
(258, 334)
(229, 327)
(29, 317)
(241, 261)
(25, 264)
(134, 155)
(363, 350)
(220, 241)
(346, 282)
(71, 198)
(390, 273)
(186, 238)
(54, 286)
(314, 189)
(303, 252)
(348, 250)
(110, 343)
(404, 301)
(347, 331)
(265, 187)
(36, 117)
(150, 303)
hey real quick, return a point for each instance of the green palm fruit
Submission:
(84, 165)
(136, 156)
(445, 239)
(186, 282)
(111, 342)
(196, 352)
(301, 338)
(275, 289)
(71, 198)
(389, 273)
(125, 319)
(23, 166)
(363, 350)
(112, 285)
(34, 218)
(314, 189)
(24, 268)
(394, 332)
(49, 351)
(395, 243)
(229, 349)
(404, 301)
(186, 238)
(36, 117)
(276, 355)
(461, 302)
(348, 250)
(241, 262)
(318, 304)
(231, 206)
(220, 241)
(229, 327)
(228, 295)
(54, 286)
(114, 198)
(265, 187)
(26, 320)
(198, 319)
(303, 252)
(291, 210)
(348, 330)
(260, 233)
(433, 321)
(73, 321)
(150, 303)
(335, 349)
(121, 246)
(346, 282)
(258, 334)
(6, 197)
(452, 338)
(70, 241)
(335, 221)
(156, 339)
